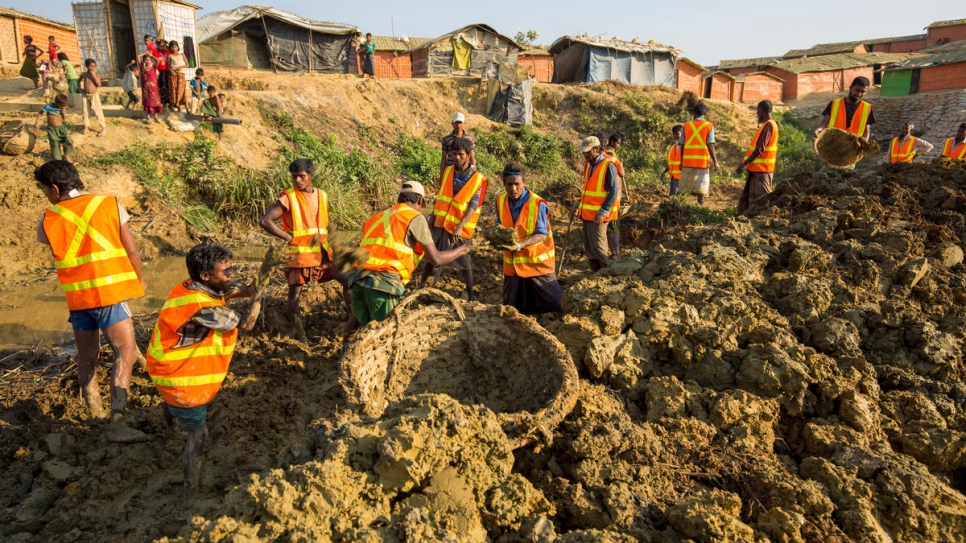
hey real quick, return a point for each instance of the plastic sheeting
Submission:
(587, 64)
(509, 93)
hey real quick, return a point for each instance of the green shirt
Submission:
(68, 69)
(370, 46)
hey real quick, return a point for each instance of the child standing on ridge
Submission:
(91, 82)
(131, 75)
(57, 134)
(199, 91)
(213, 106)
(52, 49)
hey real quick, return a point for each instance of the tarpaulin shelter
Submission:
(508, 97)
(112, 31)
(465, 51)
(268, 38)
(584, 59)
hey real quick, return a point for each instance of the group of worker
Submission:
(99, 267)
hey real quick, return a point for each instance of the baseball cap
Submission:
(459, 117)
(589, 143)
(413, 186)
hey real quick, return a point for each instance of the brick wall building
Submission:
(898, 44)
(539, 61)
(687, 76)
(14, 25)
(943, 32)
(829, 73)
(391, 59)
(758, 86)
(719, 86)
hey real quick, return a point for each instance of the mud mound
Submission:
(464, 350)
(431, 469)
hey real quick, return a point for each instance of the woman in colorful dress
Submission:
(30, 55)
(177, 62)
(150, 93)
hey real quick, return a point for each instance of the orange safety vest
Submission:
(593, 196)
(384, 236)
(836, 117)
(449, 210)
(766, 160)
(610, 153)
(536, 259)
(959, 152)
(902, 153)
(188, 376)
(696, 154)
(92, 265)
(298, 222)
(674, 161)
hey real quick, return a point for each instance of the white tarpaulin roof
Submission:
(213, 24)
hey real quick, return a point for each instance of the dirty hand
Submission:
(512, 247)
(625, 209)
(740, 168)
(818, 131)
(243, 291)
(458, 232)
(573, 210)
(715, 166)
(598, 220)
(468, 245)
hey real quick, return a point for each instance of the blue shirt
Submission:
(195, 90)
(53, 109)
(459, 181)
(543, 212)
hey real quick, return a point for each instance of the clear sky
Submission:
(706, 31)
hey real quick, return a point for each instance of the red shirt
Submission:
(52, 50)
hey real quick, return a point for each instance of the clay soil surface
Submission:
(795, 375)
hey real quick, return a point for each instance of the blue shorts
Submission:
(85, 320)
(192, 418)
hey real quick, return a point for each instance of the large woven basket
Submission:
(842, 150)
(478, 354)
(17, 141)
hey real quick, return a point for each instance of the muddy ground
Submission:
(794, 375)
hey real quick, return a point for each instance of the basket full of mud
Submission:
(840, 149)
(478, 354)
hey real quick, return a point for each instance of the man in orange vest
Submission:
(673, 165)
(459, 132)
(851, 113)
(956, 148)
(192, 345)
(99, 268)
(614, 142)
(760, 158)
(598, 202)
(529, 281)
(697, 155)
(395, 239)
(906, 147)
(457, 210)
(304, 210)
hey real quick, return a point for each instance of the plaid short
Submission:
(301, 276)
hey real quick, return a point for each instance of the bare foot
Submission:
(119, 432)
(102, 133)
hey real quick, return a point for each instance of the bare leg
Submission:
(88, 347)
(292, 306)
(191, 461)
(468, 280)
(121, 337)
(352, 324)
(427, 271)
(700, 199)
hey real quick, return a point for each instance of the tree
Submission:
(526, 39)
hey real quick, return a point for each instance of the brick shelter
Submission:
(539, 62)
(745, 65)
(14, 25)
(758, 86)
(719, 86)
(687, 76)
(898, 44)
(821, 49)
(392, 61)
(827, 74)
(938, 68)
(943, 32)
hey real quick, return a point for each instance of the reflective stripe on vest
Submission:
(92, 265)
(449, 209)
(765, 162)
(384, 236)
(836, 117)
(593, 196)
(188, 376)
(902, 153)
(958, 153)
(696, 154)
(532, 261)
(303, 228)
(674, 161)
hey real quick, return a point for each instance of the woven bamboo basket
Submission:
(18, 141)
(478, 354)
(842, 150)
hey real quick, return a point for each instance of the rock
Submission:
(710, 515)
(781, 526)
(665, 397)
(913, 271)
(58, 443)
(611, 320)
(58, 470)
(600, 354)
(949, 255)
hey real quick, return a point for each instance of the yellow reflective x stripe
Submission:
(187, 381)
(834, 113)
(308, 232)
(295, 204)
(93, 257)
(401, 247)
(394, 264)
(185, 300)
(100, 282)
(216, 349)
(527, 260)
(695, 134)
(303, 249)
(83, 226)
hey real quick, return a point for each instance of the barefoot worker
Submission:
(394, 238)
(99, 268)
(192, 345)
(529, 282)
(598, 202)
(760, 158)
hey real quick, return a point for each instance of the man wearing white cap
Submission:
(458, 121)
(395, 239)
(599, 201)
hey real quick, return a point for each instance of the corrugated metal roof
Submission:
(614, 44)
(213, 24)
(21, 15)
(838, 62)
(449, 35)
(951, 22)
(693, 64)
(746, 62)
(718, 72)
(895, 39)
(825, 49)
(536, 51)
(949, 53)
(402, 43)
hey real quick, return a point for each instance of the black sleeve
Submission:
(827, 110)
